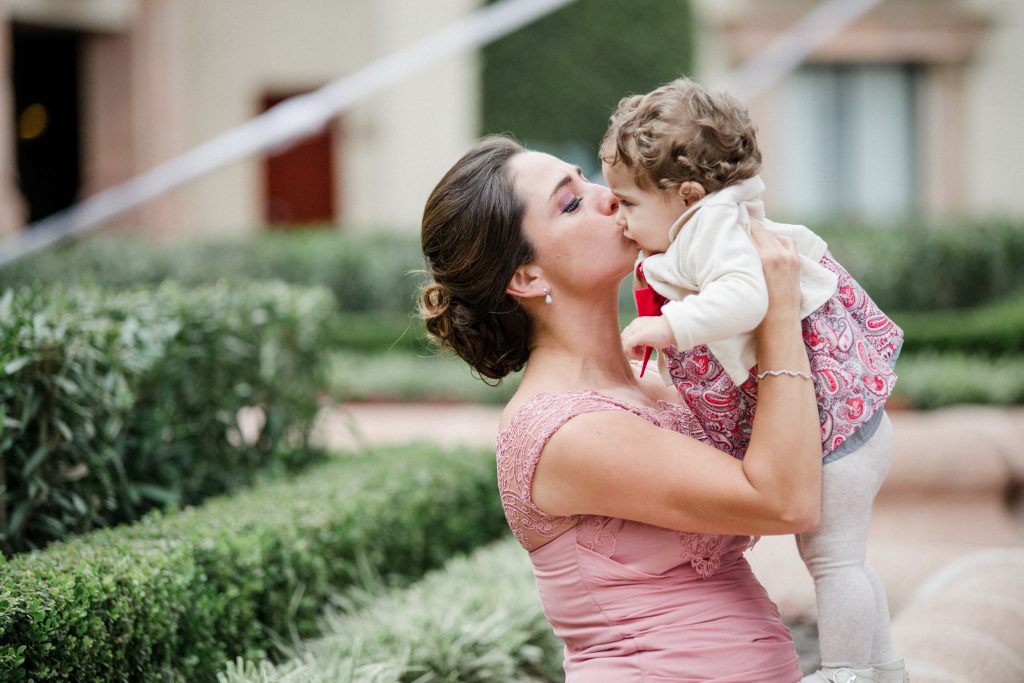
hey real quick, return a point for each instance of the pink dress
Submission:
(634, 602)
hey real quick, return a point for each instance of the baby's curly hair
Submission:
(682, 132)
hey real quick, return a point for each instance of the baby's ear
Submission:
(691, 192)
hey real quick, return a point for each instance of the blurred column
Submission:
(132, 104)
(411, 133)
(12, 205)
(942, 159)
(159, 126)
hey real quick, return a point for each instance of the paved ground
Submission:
(949, 511)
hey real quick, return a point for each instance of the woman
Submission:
(635, 524)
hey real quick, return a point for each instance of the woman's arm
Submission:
(620, 465)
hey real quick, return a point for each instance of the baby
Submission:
(683, 163)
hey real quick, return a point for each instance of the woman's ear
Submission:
(526, 282)
(691, 192)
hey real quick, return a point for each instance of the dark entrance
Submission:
(299, 181)
(46, 117)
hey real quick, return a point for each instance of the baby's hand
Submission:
(646, 331)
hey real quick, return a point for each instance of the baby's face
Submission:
(645, 214)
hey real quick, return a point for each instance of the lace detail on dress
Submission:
(592, 534)
(703, 551)
(519, 448)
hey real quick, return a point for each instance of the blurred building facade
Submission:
(912, 109)
(105, 89)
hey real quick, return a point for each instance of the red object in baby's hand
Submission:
(648, 302)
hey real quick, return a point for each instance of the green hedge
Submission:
(175, 596)
(936, 380)
(995, 329)
(365, 272)
(927, 379)
(410, 377)
(378, 332)
(479, 619)
(917, 267)
(114, 402)
(903, 267)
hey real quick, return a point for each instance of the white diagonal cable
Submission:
(794, 45)
(287, 122)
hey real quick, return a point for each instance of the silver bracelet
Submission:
(777, 373)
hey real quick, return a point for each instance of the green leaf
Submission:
(67, 385)
(64, 429)
(17, 517)
(158, 494)
(13, 366)
(38, 456)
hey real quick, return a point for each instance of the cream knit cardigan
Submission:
(712, 275)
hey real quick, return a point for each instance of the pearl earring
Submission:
(547, 295)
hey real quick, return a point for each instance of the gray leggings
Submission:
(853, 616)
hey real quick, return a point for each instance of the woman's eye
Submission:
(573, 204)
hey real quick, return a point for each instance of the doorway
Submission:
(299, 182)
(45, 65)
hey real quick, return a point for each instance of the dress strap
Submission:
(520, 446)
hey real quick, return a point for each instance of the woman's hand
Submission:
(780, 261)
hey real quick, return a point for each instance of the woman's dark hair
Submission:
(473, 241)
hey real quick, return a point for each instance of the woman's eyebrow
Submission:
(565, 181)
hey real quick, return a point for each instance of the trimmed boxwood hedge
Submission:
(365, 272)
(917, 267)
(994, 329)
(935, 380)
(114, 402)
(377, 332)
(176, 595)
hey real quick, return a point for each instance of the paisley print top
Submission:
(852, 346)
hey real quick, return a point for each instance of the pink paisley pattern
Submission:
(519, 449)
(852, 346)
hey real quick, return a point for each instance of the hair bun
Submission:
(435, 302)
(436, 299)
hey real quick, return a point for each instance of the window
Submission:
(849, 144)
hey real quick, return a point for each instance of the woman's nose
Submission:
(607, 203)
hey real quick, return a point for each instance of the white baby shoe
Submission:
(889, 672)
(892, 672)
(842, 674)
